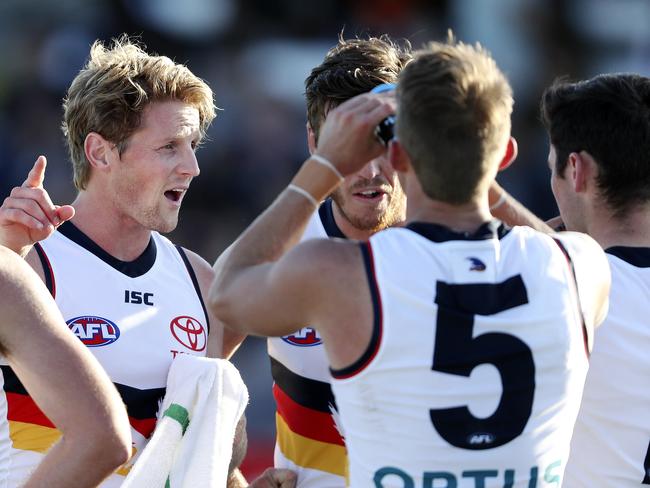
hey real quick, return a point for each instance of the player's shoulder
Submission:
(332, 252)
(573, 242)
(319, 264)
(198, 264)
(578, 244)
(587, 258)
(201, 267)
(396, 236)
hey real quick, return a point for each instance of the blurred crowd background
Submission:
(255, 54)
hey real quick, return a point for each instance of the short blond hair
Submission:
(454, 107)
(110, 93)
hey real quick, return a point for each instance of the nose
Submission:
(189, 165)
(372, 168)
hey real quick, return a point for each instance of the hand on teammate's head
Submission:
(347, 137)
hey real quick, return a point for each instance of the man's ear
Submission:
(582, 170)
(511, 154)
(398, 157)
(311, 139)
(98, 150)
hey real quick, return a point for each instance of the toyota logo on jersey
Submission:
(305, 337)
(94, 331)
(189, 332)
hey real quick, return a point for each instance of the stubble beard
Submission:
(374, 222)
(160, 223)
(152, 217)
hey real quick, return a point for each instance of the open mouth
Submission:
(370, 194)
(174, 195)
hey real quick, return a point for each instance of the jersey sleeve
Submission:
(592, 275)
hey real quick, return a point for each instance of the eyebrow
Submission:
(184, 130)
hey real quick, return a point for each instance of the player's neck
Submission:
(459, 218)
(122, 238)
(467, 217)
(632, 230)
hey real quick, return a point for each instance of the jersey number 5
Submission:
(457, 352)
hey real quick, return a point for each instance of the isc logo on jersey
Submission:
(305, 337)
(94, 331)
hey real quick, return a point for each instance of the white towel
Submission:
(208, 397)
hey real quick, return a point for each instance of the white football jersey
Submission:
(135, 317)
(611, 441)
(476, 366)
(308, 438)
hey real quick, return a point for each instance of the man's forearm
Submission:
(67, 466)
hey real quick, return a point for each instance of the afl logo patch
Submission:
(481, 438)
(94, 331)
(305, 337)
(189, 332)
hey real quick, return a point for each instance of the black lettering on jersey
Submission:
(457, 351)
(138, 298)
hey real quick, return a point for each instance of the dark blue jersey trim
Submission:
(12, 383)
(141, 403)
(636, 256)
(440, 233)
(50, 283)
(310, 393)
(326, 214)
(195, 281)
(375, 339)
(585, 335)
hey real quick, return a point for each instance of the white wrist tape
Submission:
(500, 201)
(304, 193)
(325, 162)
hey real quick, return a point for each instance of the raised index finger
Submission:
(34, 181)
(37, 174)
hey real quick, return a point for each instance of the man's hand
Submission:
(28, 215)
(347, 138)
(276, 478)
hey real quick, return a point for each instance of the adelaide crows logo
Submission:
(476, 264)
(305, 337)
